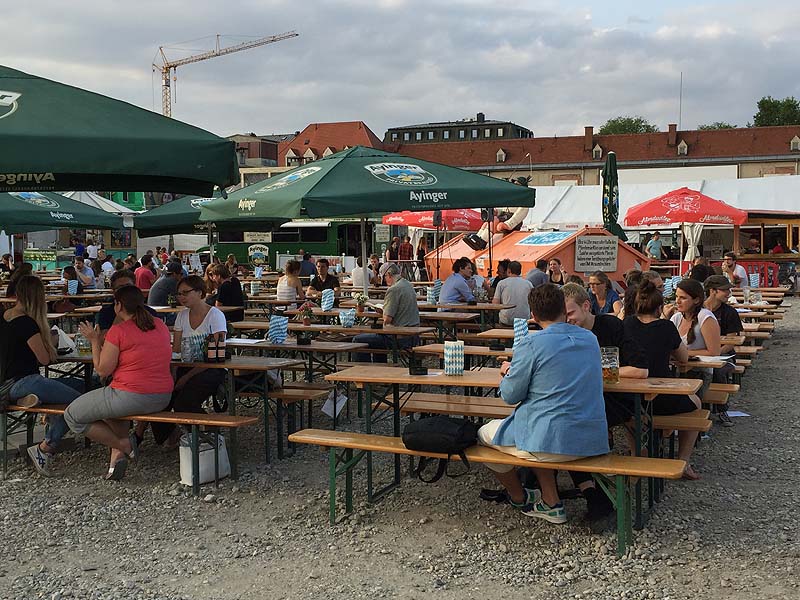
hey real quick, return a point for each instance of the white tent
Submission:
(96, 201)
(574, 206)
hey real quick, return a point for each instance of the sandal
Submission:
(117, 472)
(134, 453)
(689, 473)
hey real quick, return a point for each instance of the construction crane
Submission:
(169, 68)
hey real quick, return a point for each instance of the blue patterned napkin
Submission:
(278, 329)
(520, 329)
(327, 299)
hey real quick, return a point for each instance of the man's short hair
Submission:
(514, 267)
(306, 256)
(123, 274)
(323, 261)
(174, 268)
(146, 259)
(371, 256)
(730, 255)
(547, 302)
(576, 293)
(504, 264)
(79, 258)
(541, 264)
(461, 263)
(389, 268)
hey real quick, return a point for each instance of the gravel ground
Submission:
(732, 535)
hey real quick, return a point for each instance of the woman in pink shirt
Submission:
(137, 353)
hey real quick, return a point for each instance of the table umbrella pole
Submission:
(364, 254)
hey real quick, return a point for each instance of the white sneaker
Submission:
(42, 461)
(28, 401)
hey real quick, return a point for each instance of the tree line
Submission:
(771, 112)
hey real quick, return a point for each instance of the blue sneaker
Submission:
(42, 461)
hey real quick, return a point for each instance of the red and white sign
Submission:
(457, 219)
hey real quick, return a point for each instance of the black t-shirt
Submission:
(609, 331)
(20, 360)
(4, 268)
(728, 318)
(658, 339)
(329, 283)
(106, 315)
(230, 294)
(497, 280)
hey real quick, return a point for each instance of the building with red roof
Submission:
(319, 140)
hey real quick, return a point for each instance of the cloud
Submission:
(398, 62)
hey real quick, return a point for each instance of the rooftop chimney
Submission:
(588, 136)
(672, 135)
(481, 117)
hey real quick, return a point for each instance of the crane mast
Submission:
(168, 68)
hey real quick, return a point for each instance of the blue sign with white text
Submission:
(545, 238)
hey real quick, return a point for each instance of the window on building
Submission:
(285, 235)
(474, 134)
(314, 234)
(794, 145)
(487, 133)
(499, 132)
(406, 136)
(431, 135)
(231, 236)
(597, 152)
(418, 136)
(394, 137)
(501, 156)
(445, 135)
(683, 148)
(462, 134)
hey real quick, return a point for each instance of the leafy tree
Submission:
(772, 111)
(627, 125)
(716, 125)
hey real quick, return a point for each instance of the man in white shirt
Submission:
(91, 249)
(735, 273)
(513, 290)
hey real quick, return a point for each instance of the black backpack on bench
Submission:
(443, 435)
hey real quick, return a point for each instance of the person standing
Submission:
(515, 290)
(556, 272)
(7, 264)
(405, 256)
(655, 247)
(91, 250)
(391, 254)
(422, 250)
(79, 248)
(307, 268)
(538, 275)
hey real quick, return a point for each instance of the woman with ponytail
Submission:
(663, 343)
(26, 345)
(137, 353)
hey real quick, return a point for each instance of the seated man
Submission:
(324, 281)
(513, 290)
(620, 407)
(556, 379)
(399, 309)
(455, 288)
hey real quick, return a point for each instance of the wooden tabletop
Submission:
(731, 340)
(448, 316)
(322, 328)
(438, 349)
(55, 316)
(498, 334)
(468, 307)
(291, 344)
(240, 363)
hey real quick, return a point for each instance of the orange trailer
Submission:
(589, 249)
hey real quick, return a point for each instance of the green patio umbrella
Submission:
(365, 182)
(23, 212)
(58, 137)
(183, 216)
(611, 197)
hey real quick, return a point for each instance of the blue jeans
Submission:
(50, 391)
(380, 340)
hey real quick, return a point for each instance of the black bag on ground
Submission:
(440, 434)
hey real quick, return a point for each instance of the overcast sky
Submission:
(550, 66)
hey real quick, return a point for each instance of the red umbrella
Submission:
(683, 206)
(457, 219)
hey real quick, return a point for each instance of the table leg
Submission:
(230, 393)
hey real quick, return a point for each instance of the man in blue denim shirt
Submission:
(455, 288)
(556, 380)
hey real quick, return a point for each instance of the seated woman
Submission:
(556, 272)
(137, 352)
(70, 274)
(21, 271)
(290, 288)
(193, 385)
(27, 346)
(229, 292)
(604, 300)
(661, 341)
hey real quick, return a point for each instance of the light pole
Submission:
(530, 167)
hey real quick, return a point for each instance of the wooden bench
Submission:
(730, 388)
(213, 421)
(612, 471)
(288, 396)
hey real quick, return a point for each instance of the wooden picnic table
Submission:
(445, 319)
(158, 309)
